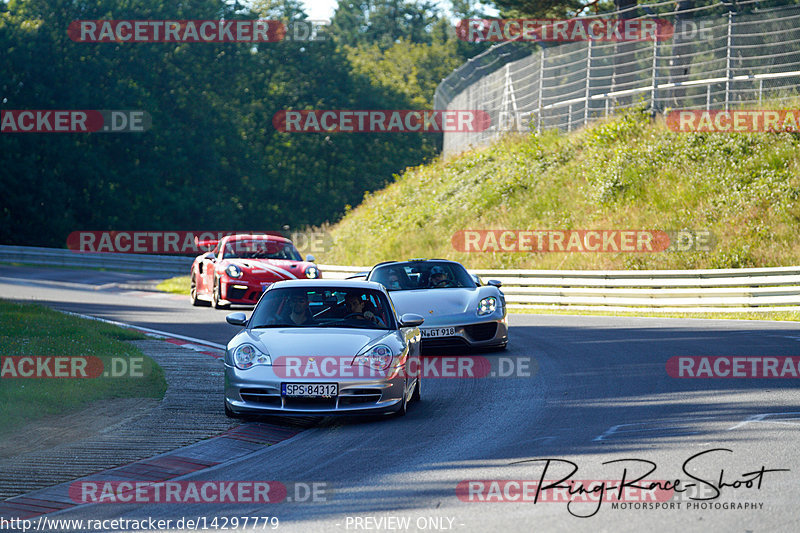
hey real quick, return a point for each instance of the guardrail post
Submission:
(588, 83)
(760, 89)
(708, 97)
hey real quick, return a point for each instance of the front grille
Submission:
(235, 294)
(481, 332)
(316, 403)
(444, 342)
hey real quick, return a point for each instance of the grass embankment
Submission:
(629, 172)
(625, 173)
(34, 330)
(176, 285)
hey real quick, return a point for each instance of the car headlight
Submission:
(487, 306)
(378, 357)
(312, 272)
(247, 356)
(234, 271)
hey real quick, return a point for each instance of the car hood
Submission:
(281, 342)
(443, 302)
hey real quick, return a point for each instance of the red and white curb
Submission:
(226, 447)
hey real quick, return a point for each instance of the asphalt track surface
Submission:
(600, 392)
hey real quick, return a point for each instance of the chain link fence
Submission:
(720, 55)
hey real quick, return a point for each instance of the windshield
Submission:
(323, 307)
(422, 275)
(261, 249)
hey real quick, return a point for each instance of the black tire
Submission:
(216, 296)
(417, 394)
(403, 409)
(193, 295)
(231, 414)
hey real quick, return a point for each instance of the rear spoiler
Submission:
(206, 244)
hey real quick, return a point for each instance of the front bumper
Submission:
(477, 334)
(244, 292)
(257, 390)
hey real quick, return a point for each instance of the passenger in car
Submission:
(300, 313)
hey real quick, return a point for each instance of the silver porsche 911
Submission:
(319, 347)
(459, 310)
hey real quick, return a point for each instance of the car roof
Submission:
(332, 283)
(257, 236)
(416, 261)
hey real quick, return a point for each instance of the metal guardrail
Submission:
(734, 290)
(711, 290)
(157, 264)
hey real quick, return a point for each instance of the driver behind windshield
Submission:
(357, 307)
(438, 277)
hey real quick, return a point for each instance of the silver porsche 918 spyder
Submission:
(459, 310)
(319, 347)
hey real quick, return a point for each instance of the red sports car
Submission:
(240, 267)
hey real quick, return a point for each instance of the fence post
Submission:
(509, 98)
(655, 76)
(569, 118)
(728, 72)
(541, 88)
(588, 83)
(708, 97)
(760, 89)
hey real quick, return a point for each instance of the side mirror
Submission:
(476, 279)
(410, 320)
(495, 283)
(236, 319)
(209, 255)
(310, 258)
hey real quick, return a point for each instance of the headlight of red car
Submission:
(233, 271)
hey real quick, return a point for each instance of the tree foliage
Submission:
(212, 159)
